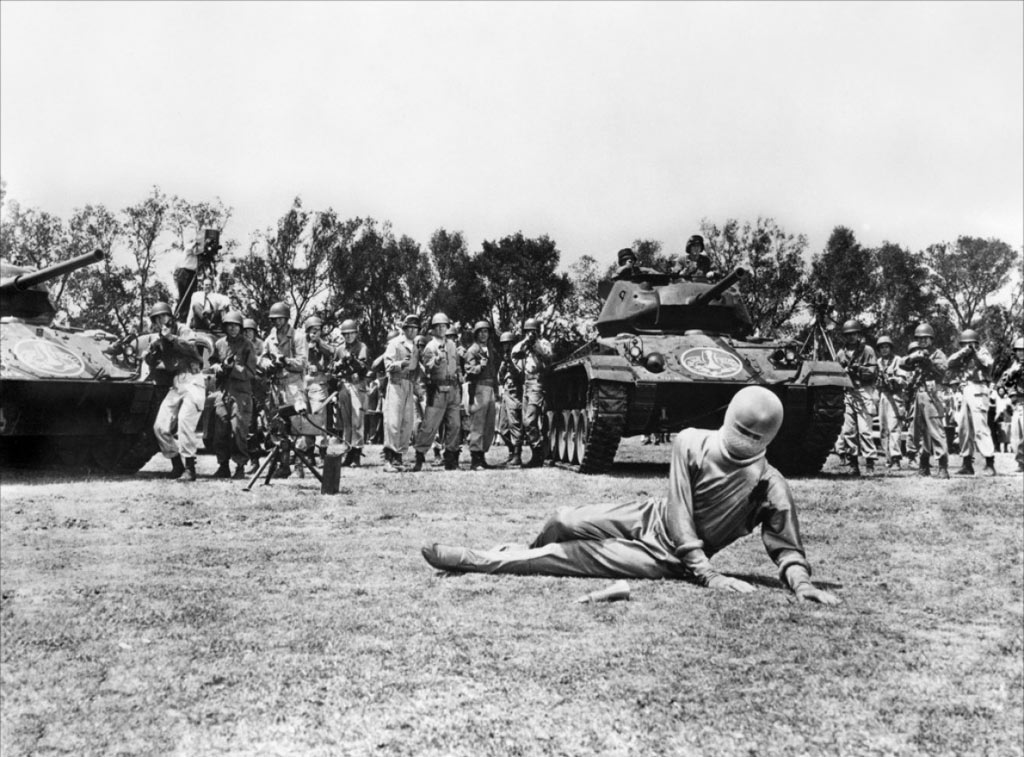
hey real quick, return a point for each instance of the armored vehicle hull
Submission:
(65, 401)
(671, 357)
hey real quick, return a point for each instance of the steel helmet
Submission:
(883, 340)
(751, 422)
(532, 324)
(507, 336)
(249, 323)
(439, 319)
(694, 240)
(160, 308)
(348, 326)
(280, 310)
(913, 347)
(924, 330)
(411, 320)
(314, 322)
(968, 335)
(232, 316)
(853, 326)
(626, 254)
(480, 325)
(1018, 343)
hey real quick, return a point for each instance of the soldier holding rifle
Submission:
(284, 362)
(891, 382)
(861, 364)
(401, 361)
(440, 363)
(1012, 382)
(352, 368)
(927, 366)
(535, 354)
(235, 360)
(970, 367)
(481, 365)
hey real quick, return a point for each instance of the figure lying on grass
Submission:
(720, 488)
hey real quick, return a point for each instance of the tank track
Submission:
(606, 406)
(806, 453)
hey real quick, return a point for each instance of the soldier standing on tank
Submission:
(970, 366)
(235, 358)
(1012, 381)
(284, 362)
(862, 366)
(401, 360)
(353, 361)
(927, 367)
(177, 357)
(535, 354)
(321, 357)
(440, 362)
(481, 366)
(510, 426)
(892, 380)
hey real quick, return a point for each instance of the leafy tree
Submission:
(843, 276)
(36, 239)
(458, 291)
(904, 297)
(144, 224)
(521, 279)
(648, 255)
(967, 274)
(776, 280)
(109, 290)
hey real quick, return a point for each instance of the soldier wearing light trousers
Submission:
(284, 362)
(720, 488)
(891, 383)
(440, 364)
(236, 360)
(970, 366)
(482, 373)
(354, 363)
(401, 361)
(510, 417)
(1012, 382)
(861, 400)
(927, 367)
(535, 354)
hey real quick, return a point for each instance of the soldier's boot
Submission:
(222, 471)
(418, 465)
(990, 466)
(943, 467)
(894, 462)
(239, 471)
(854, 466)
(516, 461)
(509, 461)
(389, 461)
(967, 467)
(476, 461)
(357, 454)
(190, 469)
(925, 467)
(177, 467)
(451, 460)
(869, 465)
(438, 458)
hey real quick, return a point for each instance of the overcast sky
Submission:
(594, 123)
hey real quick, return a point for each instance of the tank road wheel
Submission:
(557, 435)
(566, 442)
(572, 440)
(804, 454)
(550, 438)
(606, 417)
(582, 429)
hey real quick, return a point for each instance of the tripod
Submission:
(281, 434)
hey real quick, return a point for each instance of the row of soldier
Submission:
(919, 392)
(317, 392)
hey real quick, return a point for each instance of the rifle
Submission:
(224, 371)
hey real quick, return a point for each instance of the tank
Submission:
(670, 354)
(69, 397)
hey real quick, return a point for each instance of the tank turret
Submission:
(21, 294)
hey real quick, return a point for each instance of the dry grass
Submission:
(145, 617)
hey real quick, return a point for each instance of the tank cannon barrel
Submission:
(719, 288)
(24, 281)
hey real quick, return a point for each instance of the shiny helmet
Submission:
(249, 323)
(694, 241)
(348, 326)
(280, 310)
(313, 322)
(969, 336)
(626, 255)
(532, 324)
(924, 330)
(752, 420)
(411, 321)
(913, 347)
(884, 339)
(480, 325)
(160, 308)
(232, 316)
(507, 337)
(439, 319)
(853, 326)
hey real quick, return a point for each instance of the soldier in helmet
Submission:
(235, 358)
(697, 266)
(970, 367)
(353, 367)
(1012, 381)
(440, 363)
(283, 361)
(629, 268)
(320, 361)
(401, 360)
(176, 357)
(535, 354)
(250, 330)
(927, 366)
(510, 421)
(482, 371)
(860, 362)
(719, 488)
(892, 381)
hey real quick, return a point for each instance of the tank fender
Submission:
(608, 368)
(823, 373)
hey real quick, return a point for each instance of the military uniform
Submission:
(861, 404)
(1012, 380)
(892, 381)
(317, 383)
(234, 404)
(926, 369)
(968, 370)
(353, 396)
(482, 371)
(401, 359)
(440, 362)
(183, 402)
(284, 361)
(535, 355)
(510, 422)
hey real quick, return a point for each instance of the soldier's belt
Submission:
(445, 382)
(400, 375)
(485, 382)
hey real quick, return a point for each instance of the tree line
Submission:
(324, 264)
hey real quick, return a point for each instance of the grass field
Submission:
(140, 616)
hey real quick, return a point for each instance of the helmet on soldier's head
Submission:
(853, 326)
(314, 322)
(480, 325)
(1018, 343)
(696, 239)
(280, 310)
(751, 422)
(348, 326)
(883, 340)
(532, 324)
(913, 347)
(924, 330)
(439, 319)
(626, 254)
(232, 316)
(160, 308)
(507, 337)
(411, 320)
(968, 336)
(249, 323)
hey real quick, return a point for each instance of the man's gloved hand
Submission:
(799, 580)
(718, 581)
